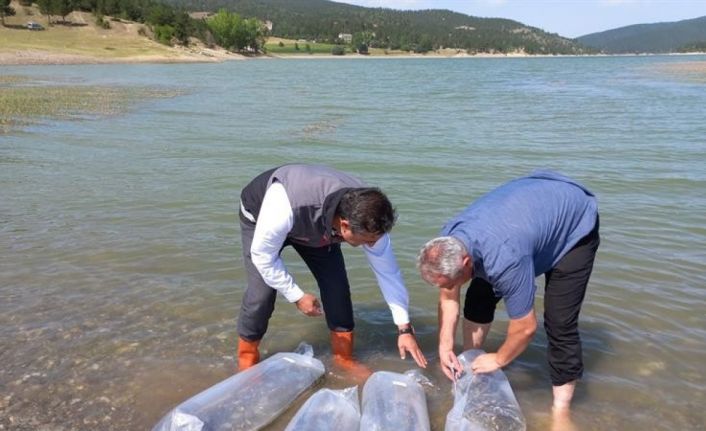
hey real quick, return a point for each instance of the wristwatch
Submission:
(408, 330)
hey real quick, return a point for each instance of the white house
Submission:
(346, 37)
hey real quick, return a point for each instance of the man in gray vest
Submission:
(315, 208)
(544, 223)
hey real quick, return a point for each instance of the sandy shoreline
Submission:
(185, 55)
(39, 57)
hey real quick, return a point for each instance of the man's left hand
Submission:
(408, 343)
(486, 363)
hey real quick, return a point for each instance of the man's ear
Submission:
(345, 224)
(468, 266)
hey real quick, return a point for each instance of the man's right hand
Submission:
(450, 362)
(309, 305)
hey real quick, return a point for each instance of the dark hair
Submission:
(367, 210)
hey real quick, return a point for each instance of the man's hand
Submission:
(449, 364)
(408, 343)
(486, 363)
(309, 305)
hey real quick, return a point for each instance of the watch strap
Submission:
(407, 330)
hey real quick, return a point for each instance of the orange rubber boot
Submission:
(248, 355)
(342, 349)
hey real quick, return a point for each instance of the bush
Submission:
(338, 50)
(420, 49)
(102, 22)
(26, 2)
(235, 33)
(281, 44)
(164, 33)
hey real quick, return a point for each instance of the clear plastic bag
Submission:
(393, 401)
(250, 399)
(328, 409)
(483, 402)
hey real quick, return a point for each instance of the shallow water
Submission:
(120, 267)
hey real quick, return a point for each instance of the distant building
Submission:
(200, 15)
(346, 37)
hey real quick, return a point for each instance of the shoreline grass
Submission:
(292, 47)
(24, 102)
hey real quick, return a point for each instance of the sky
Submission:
(568, 18)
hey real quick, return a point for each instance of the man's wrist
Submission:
(498, 361)
(405, 329)
(294, 294)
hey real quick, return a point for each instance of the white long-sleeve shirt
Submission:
(274, 223)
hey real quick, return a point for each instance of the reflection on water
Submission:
(120, 271)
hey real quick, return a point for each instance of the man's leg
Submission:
(474, 334)
(565, 290)
(329, 269)
(257, 305)
(478, 313)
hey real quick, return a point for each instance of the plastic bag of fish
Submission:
(393, 401)
(328, 409)
(483, 402)
(250, 399)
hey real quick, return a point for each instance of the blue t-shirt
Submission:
(522, 229)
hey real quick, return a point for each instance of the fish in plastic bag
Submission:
(328, 409)
(393, 401)
(250, 399)
(483, 402)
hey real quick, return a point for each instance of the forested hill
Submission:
(649, 38)
(323, 20)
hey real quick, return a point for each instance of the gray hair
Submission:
(441, 256)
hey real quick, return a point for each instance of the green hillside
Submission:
(649, 38)
(323, 21)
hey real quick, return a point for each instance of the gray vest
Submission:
(314, 192)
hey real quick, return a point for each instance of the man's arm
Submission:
(449, 306)
(381, 258)
(518, 289)
(519, 334)
(274, 223)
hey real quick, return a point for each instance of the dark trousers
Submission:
(329, 270)
(564, 291)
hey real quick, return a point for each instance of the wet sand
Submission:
(37, 57)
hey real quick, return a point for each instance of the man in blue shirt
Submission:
(544, 223)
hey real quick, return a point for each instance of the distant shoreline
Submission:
(126, 42)
(48, 58)
(442, 56)
(40, 57)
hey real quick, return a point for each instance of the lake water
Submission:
(120, 260)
